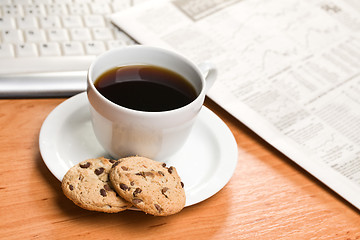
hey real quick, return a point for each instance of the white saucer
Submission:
(205, 163)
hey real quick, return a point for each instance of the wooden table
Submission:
(268, 197)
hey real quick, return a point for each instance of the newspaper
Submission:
(288, 69)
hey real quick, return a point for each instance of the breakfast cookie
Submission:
(148, 185)
(87, 185)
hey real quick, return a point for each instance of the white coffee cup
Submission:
(157, 135)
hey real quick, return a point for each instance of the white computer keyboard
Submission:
(45, 41)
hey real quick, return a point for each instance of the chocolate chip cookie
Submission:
(87, 185)
(148, 185)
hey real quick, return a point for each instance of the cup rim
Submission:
(90, 83)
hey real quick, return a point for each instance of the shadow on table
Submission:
(197, 219)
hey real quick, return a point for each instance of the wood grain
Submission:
(268, 197)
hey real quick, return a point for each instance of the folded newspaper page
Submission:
(288, 69)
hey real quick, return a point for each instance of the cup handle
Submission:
(210, 73)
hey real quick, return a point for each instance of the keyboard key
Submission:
(119, 5)
(50, 22)
(42, 1)
(27, 22)
(33, 10)
(26, 50)
(21, 1)
(5, 2)
(94, 21)
(78, 9)
(72, 21)
(100, 8)
(116, 43)
(102, 34)
(49, 49)
(95, 47)
(12, 10)
(12, 36)
(56, 9)
(63, 1)
(34, 35)
(58, 34)
(6, 50)
(72, 48)
(85, 1)
(80, 34)
(7, 22)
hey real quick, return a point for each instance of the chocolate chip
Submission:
(103, 192)
(71, 187)
(85, 165)
(99, 171)
(115, 164)
(132, 183)
(148, 174)
(137, 191)
(161, 173)
(136, 201)
(124, 186)
(170, 170)
(182, 184)
(112, 160)
(163, 191)
(140, 174)
(164, 165)
(145, 174)
(107, 187)
(158, 208)
(124, 168)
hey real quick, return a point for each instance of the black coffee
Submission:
(145, 88)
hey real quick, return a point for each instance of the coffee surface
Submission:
(145, 88)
